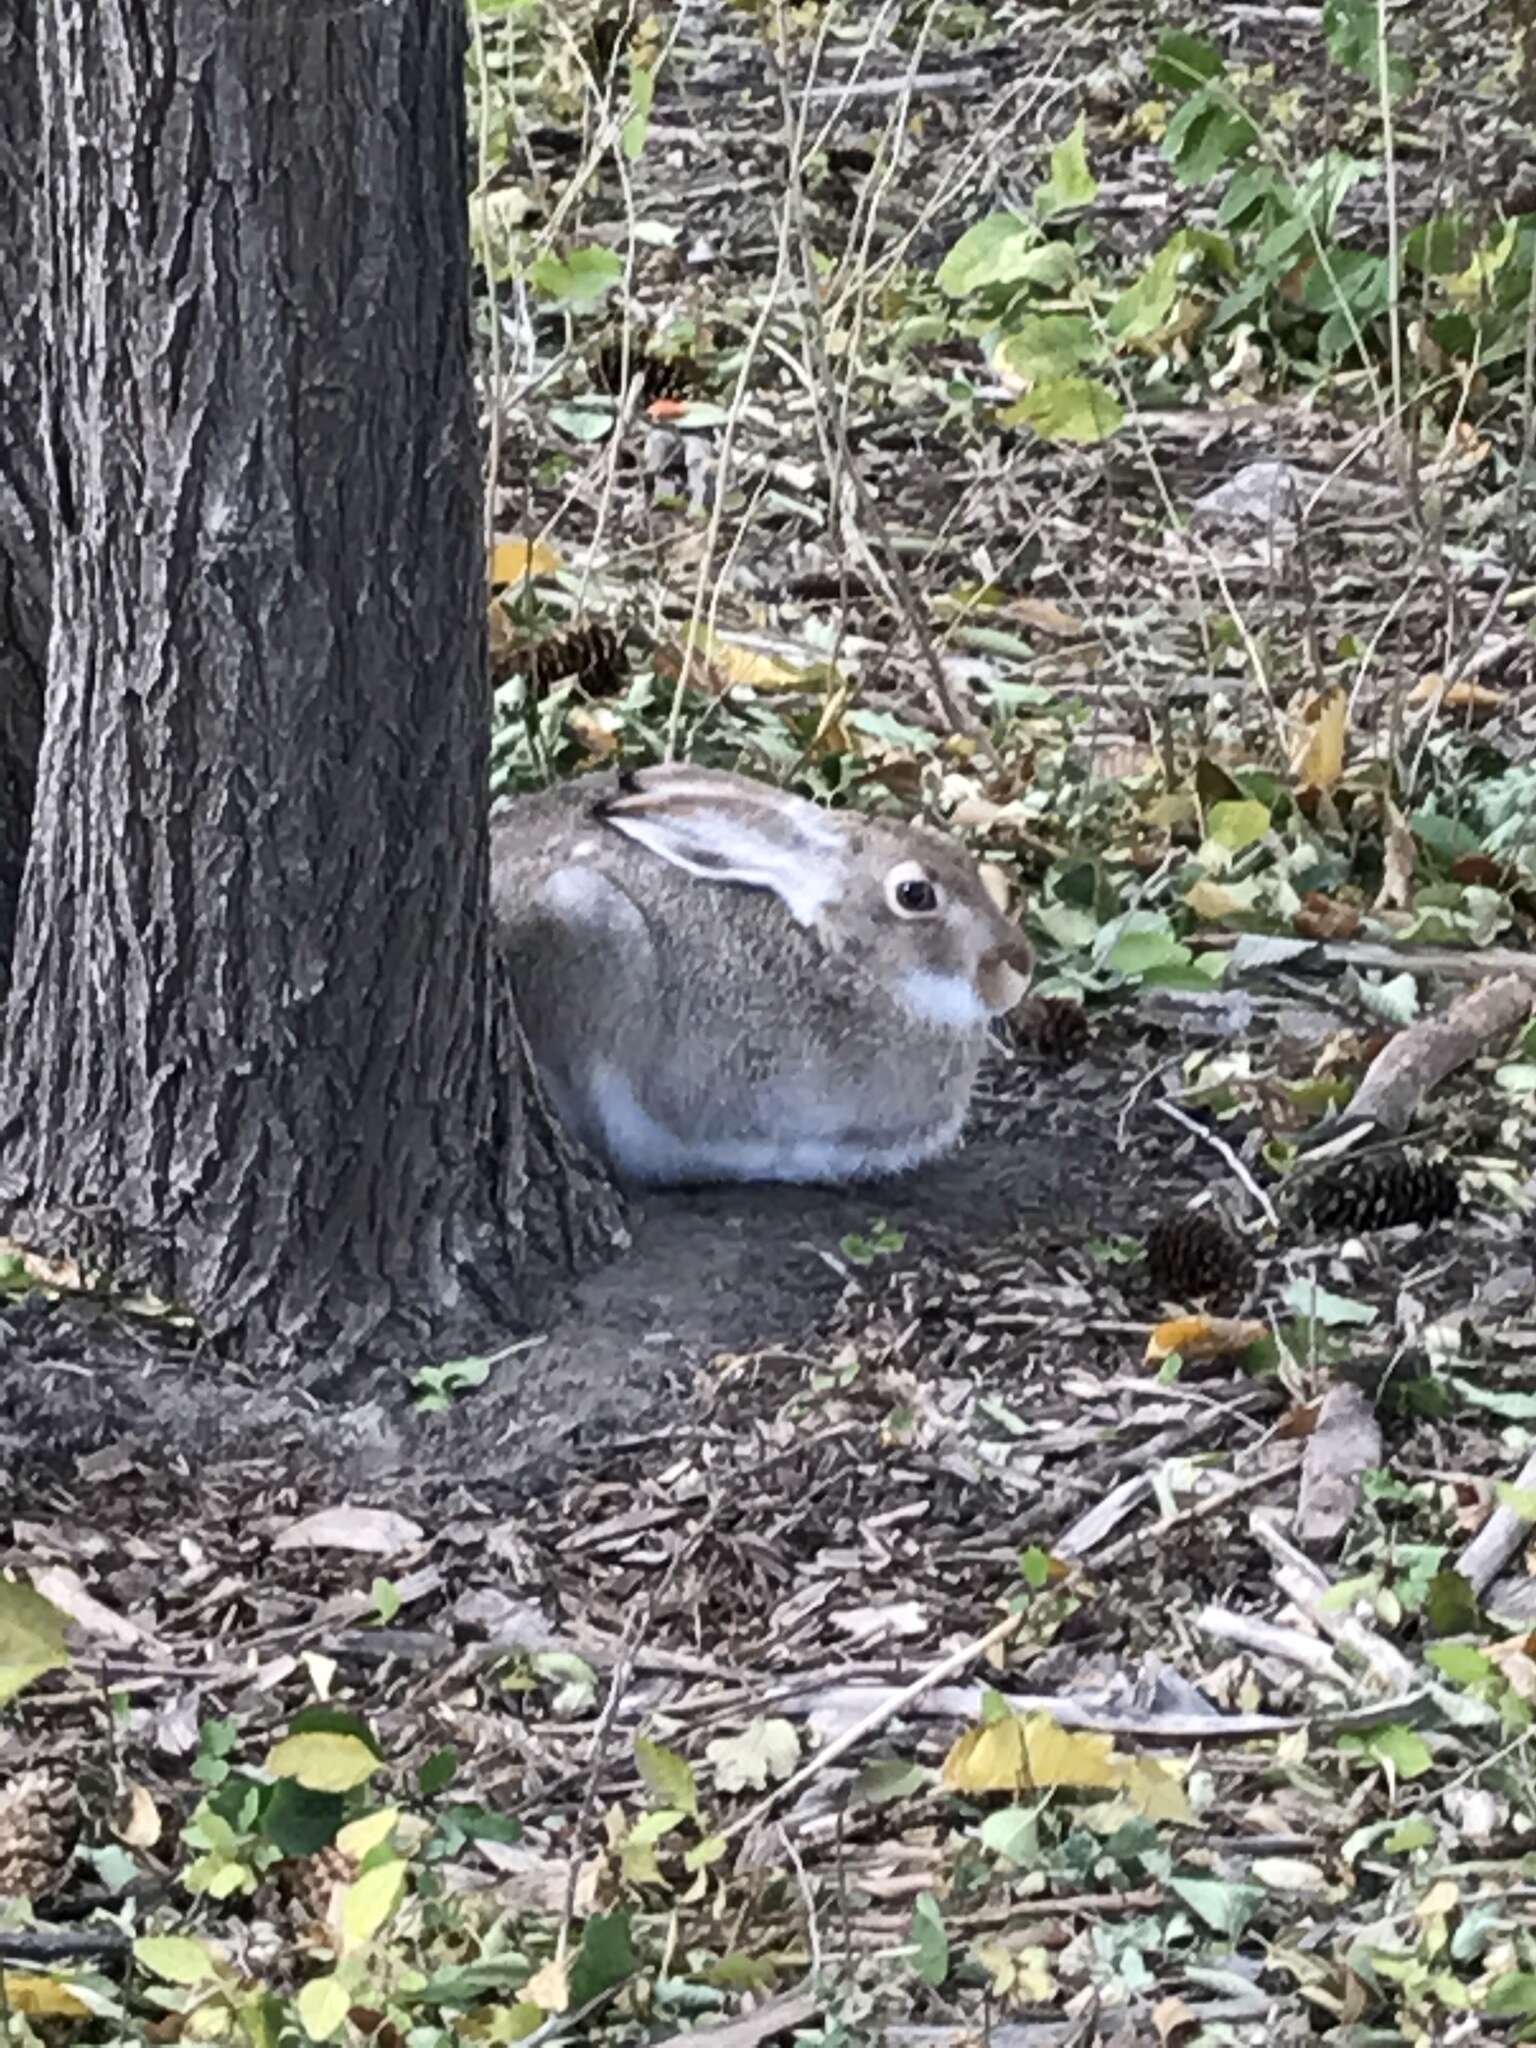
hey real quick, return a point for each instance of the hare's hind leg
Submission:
(584, 978)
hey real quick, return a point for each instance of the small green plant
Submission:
(881, 1240)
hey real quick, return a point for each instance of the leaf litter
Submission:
(1013, 1636)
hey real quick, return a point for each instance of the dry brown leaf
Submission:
(1298, 1421)
(549, 1988)
(1317, 752)
(1174, 2021)
(1045, 617)
(1399, 856)
(1325, 917)
(1202, 1337)
(597, 728)
(1480, 871)
(518, 560)
(140, 1826)
(1461, 695)
(1516, 1659)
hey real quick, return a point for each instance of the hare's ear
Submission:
(741, 832)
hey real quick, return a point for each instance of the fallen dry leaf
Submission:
(1325, 917)
(1461, 695)
(1317, 752)
(1400, 855)
(518, 560)
(1202, 1337)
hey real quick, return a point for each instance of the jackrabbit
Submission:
(720, 981)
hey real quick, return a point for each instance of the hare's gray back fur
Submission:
(692, 1029)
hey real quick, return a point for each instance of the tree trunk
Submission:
(23, 517)
(257, 1047)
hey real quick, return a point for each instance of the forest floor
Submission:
(989, 1606)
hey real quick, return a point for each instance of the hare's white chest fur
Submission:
(719, 982)
(647, 1149)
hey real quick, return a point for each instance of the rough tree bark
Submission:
(23, 519)
(254, 1057)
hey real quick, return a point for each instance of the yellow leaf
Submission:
(1067, 1756)
(549, 1988)
(732, 663)
(43, 1997)
(1201, 1337)
(1317, 754)
(359, 1836)
(991, 1759)
(519, 561)
(1155, 1787)
(177, 1958)
(323, 1761)
(1028, 1750)
(1209, 900)
(31, 1636)
(323, 2004)
(370, 1899)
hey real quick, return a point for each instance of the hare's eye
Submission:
(910, 891)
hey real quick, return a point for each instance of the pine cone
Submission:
(589, 651)
(660, 376)
(297, 1892)
(1375, 1194)
(1051, 1027)
(1194, 1256)
(38, 1824)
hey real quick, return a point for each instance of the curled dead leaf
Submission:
(1461, 694)
(1202, 1337)
(1325, 917)
(1317, 749)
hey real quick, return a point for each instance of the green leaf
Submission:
(885, 1779)
(1306, 1298)
(1070, 183)
(1513, 1407)
(1512, 1996)
(31, 1637)
(299, 1821)
(1048, 345)
(1461, 1663)
(1401, 1747)
(323, 1762)
(177, 1958)
(996, 250)
(1012, 1832)
(1225, 1908)
(642, 95)
(1139, 942)
(928, 1939)
(1353, 29)
(667, 1775)
(579, 281)
(371, 1898)
(1079, 409)
(439, 1770)
(1183, 61)
(1235, 826)
(1205, 137)
(323, 2004)
(606, 1957)
(1450, 1605)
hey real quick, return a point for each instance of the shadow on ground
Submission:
(709, 1271)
